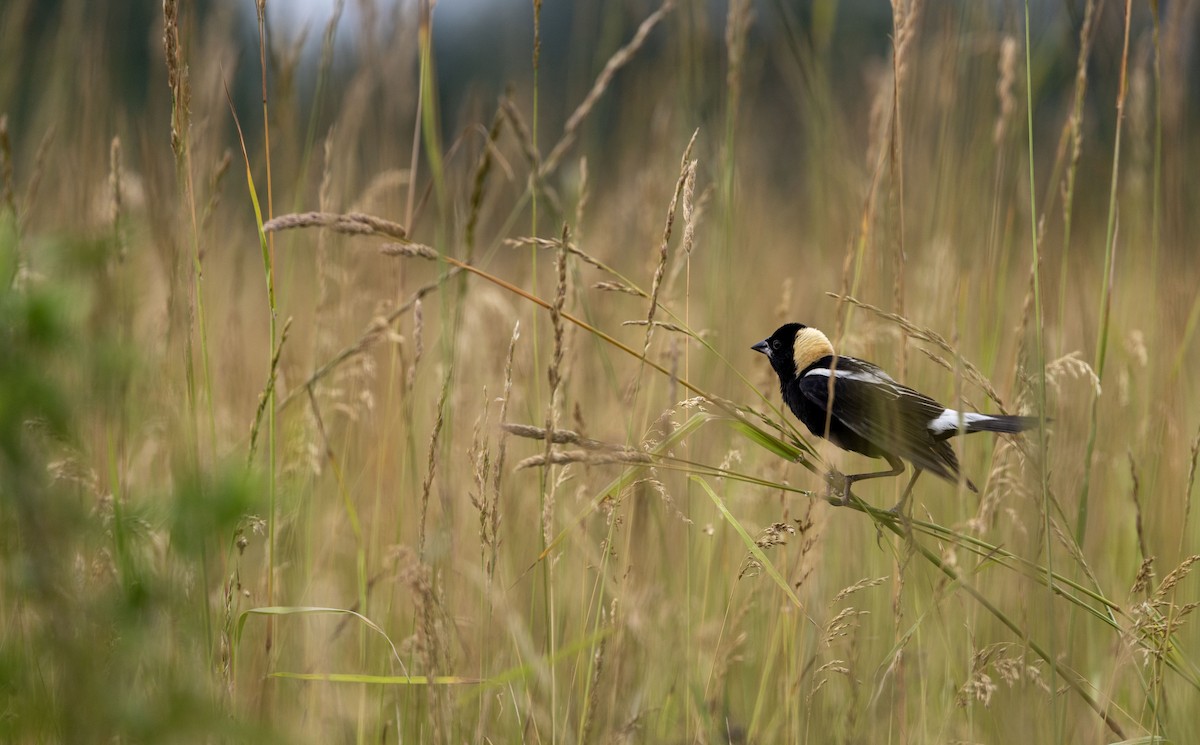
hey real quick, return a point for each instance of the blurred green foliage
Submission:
(106, 630)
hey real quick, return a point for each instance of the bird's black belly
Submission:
(814, 417)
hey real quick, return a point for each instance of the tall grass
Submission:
(535, 487)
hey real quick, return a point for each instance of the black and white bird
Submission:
(866, 411)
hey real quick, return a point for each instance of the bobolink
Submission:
(867, 412)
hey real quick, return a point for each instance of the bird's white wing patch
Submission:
(861, 376)
(948, 421)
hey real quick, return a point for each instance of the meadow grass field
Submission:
(359, 400)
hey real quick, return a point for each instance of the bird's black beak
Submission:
(763, 347)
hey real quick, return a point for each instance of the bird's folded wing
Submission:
(893, 417)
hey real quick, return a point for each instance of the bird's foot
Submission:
(901, 516)
(837, 488)
(898, 510)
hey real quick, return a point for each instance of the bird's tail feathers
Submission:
(989, 423)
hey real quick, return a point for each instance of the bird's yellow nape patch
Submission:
(810, 346)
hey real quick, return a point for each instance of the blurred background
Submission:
(254, 484)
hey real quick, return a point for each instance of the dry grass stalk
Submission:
(661, 427)
(1069, 543)
(409, 251)
(618, 287)
(979, 686)
(775, 534)
(737, 25)
(1022, 332)
(882, 100)
(557, 436)
(615, 63)
(502, 455)
(1143, 581)
(862, 584)
(552, 244)
(607, 621)
(840, 625)
(479, 182)
(1004, 85)
(353, 223)
(665, 327)
(177, 80)
(430, 641)
(1135, 494)
(690, 216)
(687, 171)
(480, 457)
(524, 137)
(947, 365)
(378, 329)
(1158, 618)
(1006, 480)
(674, 353)
(1073, 131)
(905, 17)
(584, 196)
(810, 538)
(554, 375)
(834, 666)
(532, 156)
(215, 180)
(812, 694)
(431, 464)
(1010, 667)
(1070, 366)
(973, 373)
(1175, 577)
(688, 241)
(587, 457)
(265, 397)
(325, 191)
(656, 483)
(418, 344)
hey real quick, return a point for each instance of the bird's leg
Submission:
(897, 469)
(898, 510)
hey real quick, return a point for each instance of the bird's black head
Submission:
(794, 347)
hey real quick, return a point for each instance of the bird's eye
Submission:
(775, 344)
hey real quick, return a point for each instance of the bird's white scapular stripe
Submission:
(948, 420)
(862, 377)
